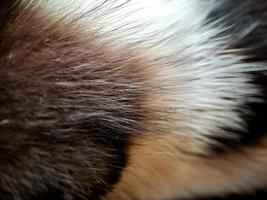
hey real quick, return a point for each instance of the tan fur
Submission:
(158, 169)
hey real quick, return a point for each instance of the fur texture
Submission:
(132, 99)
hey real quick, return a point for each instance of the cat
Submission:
(133, 99)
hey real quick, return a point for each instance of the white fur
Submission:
(192, 59)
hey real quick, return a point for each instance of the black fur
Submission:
(246, 23)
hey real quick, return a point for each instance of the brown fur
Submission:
(67, 105)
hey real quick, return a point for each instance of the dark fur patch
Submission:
(247, 26)
(68, 109)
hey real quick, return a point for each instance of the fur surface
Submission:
(132, 99)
